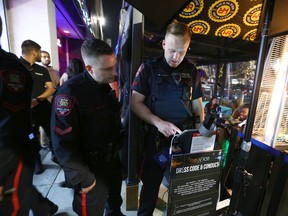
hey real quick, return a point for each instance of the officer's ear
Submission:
(88, 68)
(163, 44)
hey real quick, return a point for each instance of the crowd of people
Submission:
(80, 115)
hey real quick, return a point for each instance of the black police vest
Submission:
(99, 112)
(171, 92)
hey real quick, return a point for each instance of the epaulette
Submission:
(153, 60)
(75, 82)
(8, 56)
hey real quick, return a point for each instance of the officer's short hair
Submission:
(94, 48)
(178, 28)
(28, 46)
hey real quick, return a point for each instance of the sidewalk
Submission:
(48, 183)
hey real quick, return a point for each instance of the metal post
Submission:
(216, 80)
(246, 145)
(136, 50)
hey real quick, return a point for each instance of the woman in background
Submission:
(212, 104)
(235, 112)
(75, 67)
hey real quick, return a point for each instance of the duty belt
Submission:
(103, 154)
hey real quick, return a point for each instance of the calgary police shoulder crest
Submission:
(64, 104)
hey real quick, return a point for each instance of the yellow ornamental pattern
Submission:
(199, 27)
(252, 16)
(223, 10)
(223, 18)
(228, 30)
(193, 9)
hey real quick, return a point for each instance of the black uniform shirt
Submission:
(15, 100)
(164, 94)
(85, 118)
(145, 78)
(40, 76)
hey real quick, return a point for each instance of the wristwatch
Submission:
(38, 100)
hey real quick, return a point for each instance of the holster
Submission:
(93, 157)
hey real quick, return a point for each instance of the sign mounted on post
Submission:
(194, 183)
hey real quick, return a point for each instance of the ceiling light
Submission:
(101, 20)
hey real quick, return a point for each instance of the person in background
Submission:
(244, 111)
(55, 78)
(212, 104)
(75, 67)
(165, 93)
(235, 113)
(233, 124)
(42, 89)
(86, 134)
(17, 144)
(239, 124)
(46, 62)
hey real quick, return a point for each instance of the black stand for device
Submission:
(194, 177)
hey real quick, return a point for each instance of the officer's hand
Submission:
(176, 149)
(34, 103)
(1, 193)
(86, 190)
(167, 128)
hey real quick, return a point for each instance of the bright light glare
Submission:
(276, 66)
(59, 42)
(276, 103)
(66, 31)
(101, 20)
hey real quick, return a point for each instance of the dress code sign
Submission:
(194, 183)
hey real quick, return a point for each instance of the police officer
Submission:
(17, 194)
(166, 93)
(85, 128)
(42, 89)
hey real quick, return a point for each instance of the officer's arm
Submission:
(198, 108)
(143, 112)
(140, 109)
(48, 92)
(1, 193)
(66, 137)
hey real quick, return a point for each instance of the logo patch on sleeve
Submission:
(64, 104)
(14, 80)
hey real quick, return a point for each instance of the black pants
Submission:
(151, 176)
(25, 195)
(41, 116)
(106, 195)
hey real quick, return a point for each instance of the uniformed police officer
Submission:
(166, 92)
(85, 129)
(42, 89)
(17, 194)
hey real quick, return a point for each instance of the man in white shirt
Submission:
(45, 62)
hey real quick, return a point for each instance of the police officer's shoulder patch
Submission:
(15, 80)
(64, 104)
